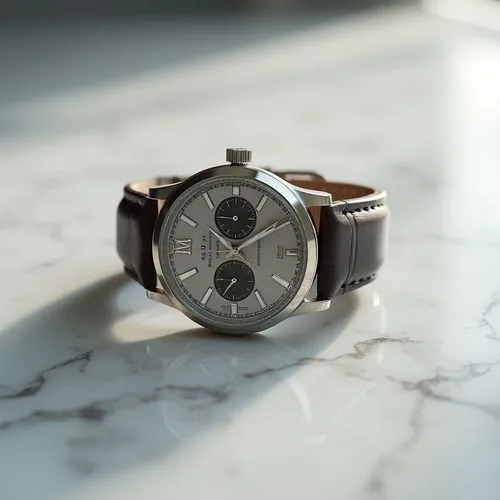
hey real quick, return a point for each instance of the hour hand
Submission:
(221, 238)
(232, 250)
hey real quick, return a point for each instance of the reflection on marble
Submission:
(392, 394)
(179, 386)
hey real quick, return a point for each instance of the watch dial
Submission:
(235, 217)
(234, 280)
(233, 251)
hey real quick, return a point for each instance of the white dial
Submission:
(233, 251)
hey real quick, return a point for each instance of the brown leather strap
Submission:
(351, 232)
(352, 236)
(135, 224)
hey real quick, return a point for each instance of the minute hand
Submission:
(265, 232)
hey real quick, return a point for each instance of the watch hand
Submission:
(233, 281)
(240, 255)
(233, 253)
(230, 253)
(265, 232)
(221, 239)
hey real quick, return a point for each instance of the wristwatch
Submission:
(239, 248)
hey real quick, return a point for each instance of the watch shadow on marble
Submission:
(103, 402)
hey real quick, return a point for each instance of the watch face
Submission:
(232, 251)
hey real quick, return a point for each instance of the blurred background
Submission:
(15, 10)
(30, 9)
(54, 47)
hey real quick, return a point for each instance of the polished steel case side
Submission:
(310, 197)
(284, 189)
(313, 198)
(163, 191)
(310, 306)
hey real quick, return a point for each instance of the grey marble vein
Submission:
(493, 303)
(361, 349)
(428, 389)
(377, 479)
(98, 411)
(364, 347)
(35, 385)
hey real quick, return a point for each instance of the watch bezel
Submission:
(284, 189)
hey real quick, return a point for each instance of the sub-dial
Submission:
(234, 280)
(235, 217)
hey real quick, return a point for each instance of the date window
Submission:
(280, 251)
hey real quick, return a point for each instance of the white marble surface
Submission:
(393, 394)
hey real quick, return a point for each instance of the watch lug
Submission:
(313, 198)
(309, 306)
(159, 295)
(310, 197)
(163, 192)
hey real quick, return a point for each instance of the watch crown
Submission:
(238, 156)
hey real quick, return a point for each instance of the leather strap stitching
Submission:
(359, 281)
(364, 209)
(353, 244)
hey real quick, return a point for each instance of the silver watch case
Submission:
(298, 198)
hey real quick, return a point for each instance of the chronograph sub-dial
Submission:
(234, 280)
(235, 217)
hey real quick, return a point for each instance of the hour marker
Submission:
(188, 274)
(236, 190)
(291, 252)
(234, 309)
(205, 298)
(261, 203)
(189, 221)
(207, 198)
(258, 296)
(284, 283)
(183, 246)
